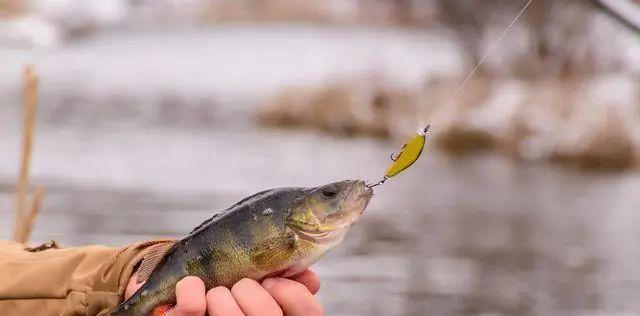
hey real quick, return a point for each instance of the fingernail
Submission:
(269, 283)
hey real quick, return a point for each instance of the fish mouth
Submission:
(354, 200)
(364, 196)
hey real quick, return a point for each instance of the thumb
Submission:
(190, 297)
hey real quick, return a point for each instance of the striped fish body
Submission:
(254, 239)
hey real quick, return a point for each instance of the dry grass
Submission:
(341, 109)
(27, 210)
(12, 7)
(576, 122)
(387, 13)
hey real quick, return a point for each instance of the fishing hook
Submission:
(395, 156)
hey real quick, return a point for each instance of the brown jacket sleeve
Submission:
(73, 281)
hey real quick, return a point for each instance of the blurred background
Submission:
(153, 115)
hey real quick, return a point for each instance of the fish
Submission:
(278, 232)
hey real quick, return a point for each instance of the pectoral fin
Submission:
(274, 251)
(152, 259)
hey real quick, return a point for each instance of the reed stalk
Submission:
(26, 211)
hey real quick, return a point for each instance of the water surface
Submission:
(135, 147)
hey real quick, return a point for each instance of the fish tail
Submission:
(161, 310)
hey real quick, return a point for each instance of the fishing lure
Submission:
(411, 150)
(409, 153)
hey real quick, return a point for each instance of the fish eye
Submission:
(330, 191)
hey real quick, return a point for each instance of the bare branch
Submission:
(625, 11)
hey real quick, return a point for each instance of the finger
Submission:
(254, 300)
(294, 298)
(132, 286)
(220, 302)
(309, 279)
(190, 298)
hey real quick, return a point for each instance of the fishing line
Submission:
(489, 52)
(411, 150)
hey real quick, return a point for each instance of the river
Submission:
(130, 148)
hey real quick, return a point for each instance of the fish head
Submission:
(323, 214)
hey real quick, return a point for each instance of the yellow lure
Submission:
(409, 153)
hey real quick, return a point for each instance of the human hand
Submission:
(274, 297)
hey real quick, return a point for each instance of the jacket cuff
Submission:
(116, 275)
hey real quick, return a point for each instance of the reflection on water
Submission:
(450, 237)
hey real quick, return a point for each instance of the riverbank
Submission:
(592, 123)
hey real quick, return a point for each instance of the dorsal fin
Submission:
(206, 222)
(225, 211)
(151, 260)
